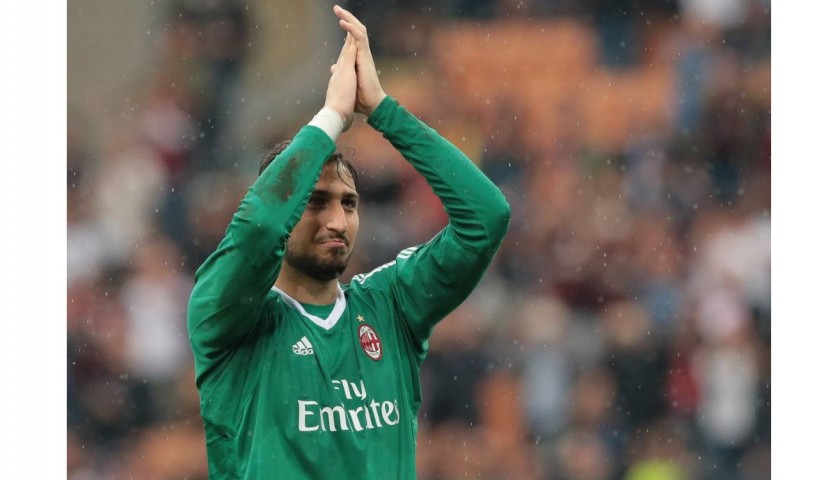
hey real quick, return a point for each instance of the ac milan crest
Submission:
(370, 342)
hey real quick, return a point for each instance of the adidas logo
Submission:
(303, 347)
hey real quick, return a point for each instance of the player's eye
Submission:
(350, 203)
(316, 202)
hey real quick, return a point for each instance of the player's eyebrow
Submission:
(320, 193)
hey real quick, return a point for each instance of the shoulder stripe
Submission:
(364, 276)
(407, 252)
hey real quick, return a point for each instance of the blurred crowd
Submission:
(622, 332)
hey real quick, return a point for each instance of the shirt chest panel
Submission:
(357, 358)
(322, 385)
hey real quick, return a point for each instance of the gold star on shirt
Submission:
(360, 318)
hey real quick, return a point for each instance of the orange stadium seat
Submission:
(544, 65)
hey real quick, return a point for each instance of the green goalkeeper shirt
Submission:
(286, 394)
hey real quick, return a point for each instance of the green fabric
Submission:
(284, 397)
(320, 311)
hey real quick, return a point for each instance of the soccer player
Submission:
(301, 377)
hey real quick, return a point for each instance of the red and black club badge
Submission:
(370, 342)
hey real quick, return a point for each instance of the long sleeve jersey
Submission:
(286, 394)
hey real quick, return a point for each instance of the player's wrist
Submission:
(331, 122)
(368, 109)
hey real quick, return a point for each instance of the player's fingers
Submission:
(348, 39)
(350, 23)
(349, 60)
(353, 30)
(346, 15)
(345, 55)
(360, 39)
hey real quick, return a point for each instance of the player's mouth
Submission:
(334, 243)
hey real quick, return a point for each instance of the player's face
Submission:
(321, 243)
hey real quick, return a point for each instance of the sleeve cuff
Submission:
(380, 114)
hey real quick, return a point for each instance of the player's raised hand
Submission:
(341, 91)
(369, 92)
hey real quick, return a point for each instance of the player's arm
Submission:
(232, 285)
(433, 279)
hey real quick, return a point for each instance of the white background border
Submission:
(806, 239)
(33, 253)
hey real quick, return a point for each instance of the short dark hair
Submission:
(339, 158)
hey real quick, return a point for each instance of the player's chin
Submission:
(337, 256)
(336, 265)
(337, 252)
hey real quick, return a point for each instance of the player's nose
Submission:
(336, 218)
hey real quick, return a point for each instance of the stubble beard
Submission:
(319, 268)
